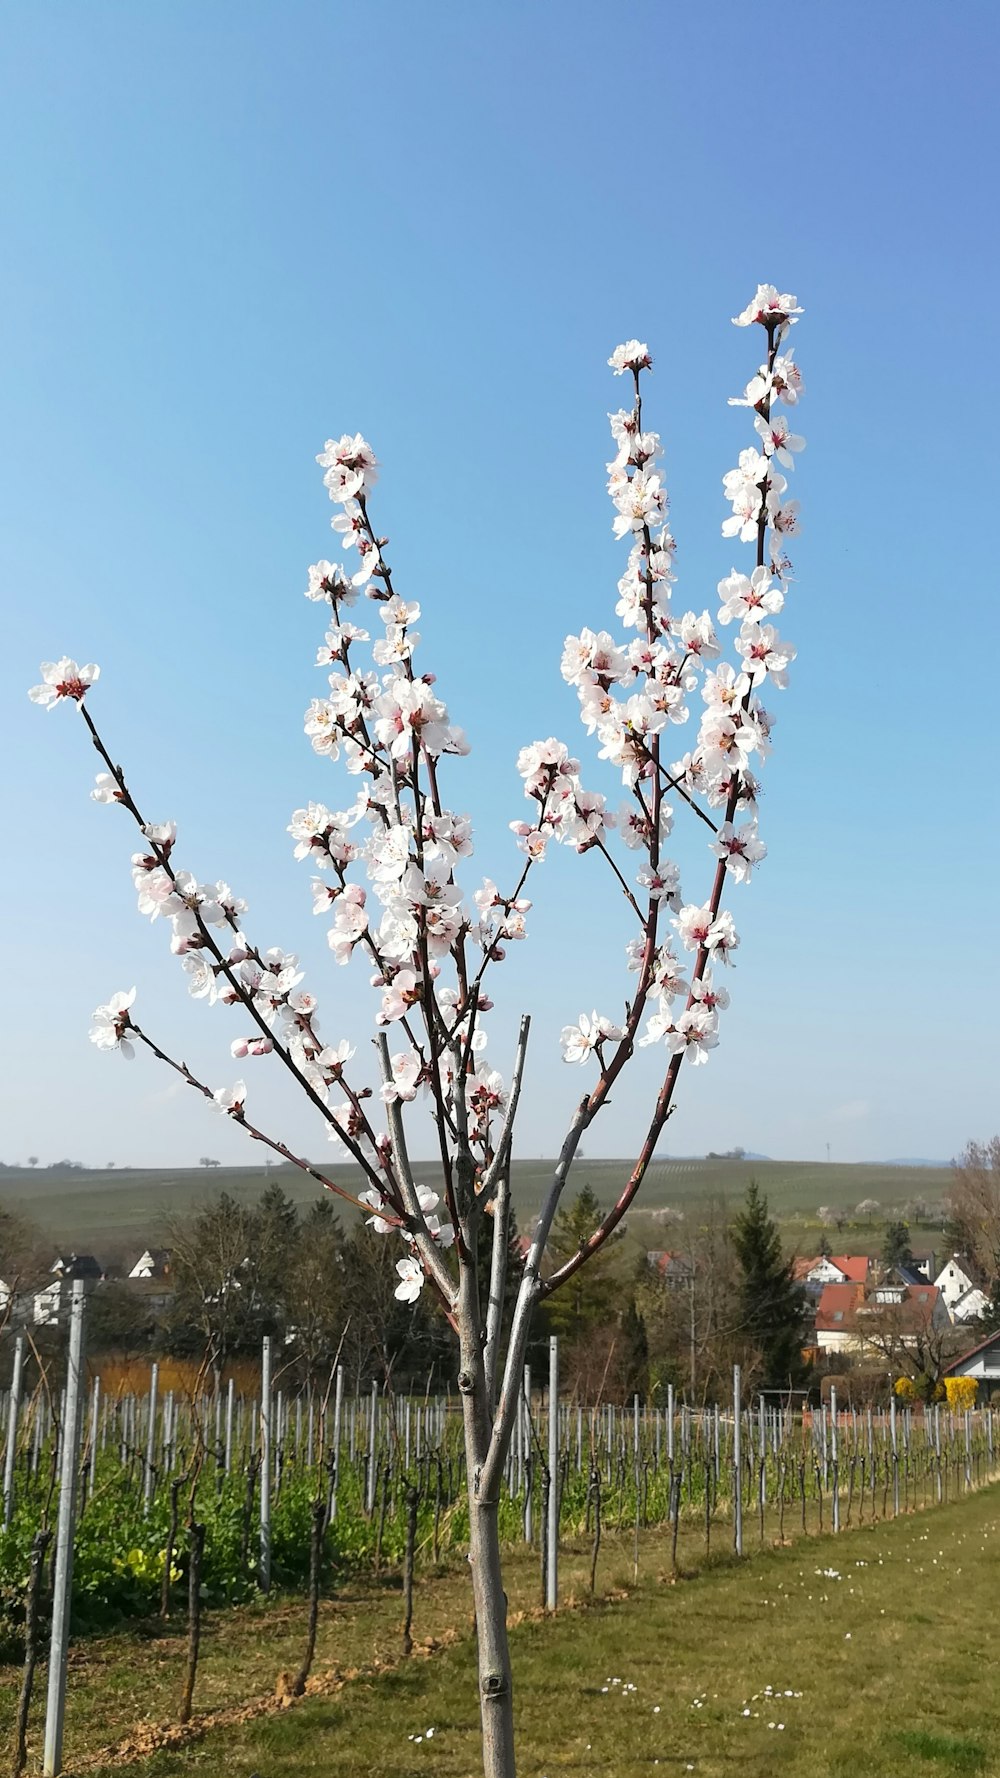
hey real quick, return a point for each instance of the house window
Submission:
(838, 1314)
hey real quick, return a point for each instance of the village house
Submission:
(154, 1263)
(965, 1300)
(983, 1363)
(880, 1318)
(674, 1269)
(52, 1302)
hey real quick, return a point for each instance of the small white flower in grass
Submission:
(231, 1099)
(111, 1023)
(411, 1280)
(63, 679)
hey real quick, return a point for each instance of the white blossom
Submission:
(411, 1280)
(63, 679)
(581, 1040)
(112, 1022)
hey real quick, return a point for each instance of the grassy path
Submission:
(877, 1646)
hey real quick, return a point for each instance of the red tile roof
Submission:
(836, 1307)
(855, 1267)
(840, 1306)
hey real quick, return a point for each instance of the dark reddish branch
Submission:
(664, 1102)
(256, 1135)
(210, 944)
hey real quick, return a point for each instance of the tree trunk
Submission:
(496, 1702)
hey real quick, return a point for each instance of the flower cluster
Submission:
(631, 692)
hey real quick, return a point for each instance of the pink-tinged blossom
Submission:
(724, 690)
(740, 848)
(764, 653)
(530, 840)
(406, 1070)
(786, 379)
(327, 580)
(336, 643)
(779, 441)
(408, 712)
(63, 679)
(666, 980)
(398, 996)
(768, 306)
(447, 836)
(112, 1022)
(351, 466)
(698, 636)
(658, 1026)
(322, 727)
(713, 999)
(250, 1046)
(595, 656)
(350, 921)
(693, 925)
(542, 763)
(231, 1100)
(694, 1033)
(641, 502)
(723, 937)
(411, 1280)
(202, 981)
(749, 596)
(661, 884)
(633, 355)
(580, 1041)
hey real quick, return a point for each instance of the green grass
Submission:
(887, 1665)
(86, 1210)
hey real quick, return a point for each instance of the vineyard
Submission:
(127, 1508)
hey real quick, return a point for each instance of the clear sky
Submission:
(231, 231)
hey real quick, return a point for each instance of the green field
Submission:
(90, 1210)
(860, 1656)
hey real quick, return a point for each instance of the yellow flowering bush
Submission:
(961, 1392)
(906, 1390)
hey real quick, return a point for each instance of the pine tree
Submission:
(896, 1249)
(772, 1306)
(590, 1298)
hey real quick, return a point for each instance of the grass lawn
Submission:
(853, 1657)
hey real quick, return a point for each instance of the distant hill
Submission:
(916, 1163)
(99, 1211)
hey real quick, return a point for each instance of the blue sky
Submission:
(230, 232)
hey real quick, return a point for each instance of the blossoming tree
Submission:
(388, 881)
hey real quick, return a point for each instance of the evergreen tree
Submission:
(896, 1249)
(772, 1306)
(590, 1298)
